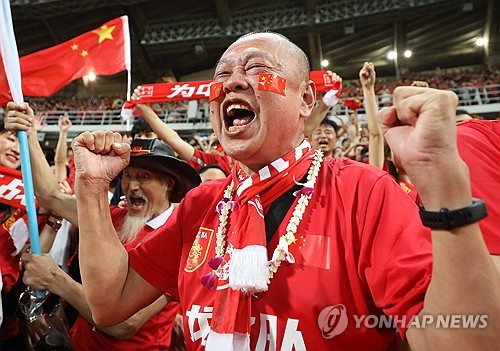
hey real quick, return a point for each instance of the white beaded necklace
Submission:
(281, 252)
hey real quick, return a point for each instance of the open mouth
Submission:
(137, 202)
(323, 143)
(237, 116)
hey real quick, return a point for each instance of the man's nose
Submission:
(237, 81)
(134, 184)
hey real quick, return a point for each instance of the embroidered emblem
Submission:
(405, 188)
(11, 220)
(199, 250)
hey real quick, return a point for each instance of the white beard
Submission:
(131, 227)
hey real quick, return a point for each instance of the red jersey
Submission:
(361, 250)
(155, 334)
(202, 158)
(478, 143)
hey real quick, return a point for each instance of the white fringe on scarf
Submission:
(227, 342)
(248, 270)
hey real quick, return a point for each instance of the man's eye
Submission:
(222, 74)
(256, 67)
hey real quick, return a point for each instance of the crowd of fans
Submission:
(462, 81)
(459, 80)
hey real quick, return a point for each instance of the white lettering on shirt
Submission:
(202, 317)
(293, 339)
(268, 326)
(268, 332)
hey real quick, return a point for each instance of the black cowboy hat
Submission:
(155, 155)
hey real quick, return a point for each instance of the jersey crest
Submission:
(199, 250)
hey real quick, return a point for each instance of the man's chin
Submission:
(136, 212)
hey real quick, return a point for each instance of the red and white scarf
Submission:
(247, 251)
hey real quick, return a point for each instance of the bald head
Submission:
(297, 56)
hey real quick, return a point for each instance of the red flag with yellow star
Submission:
(102, 51)
(272, 82)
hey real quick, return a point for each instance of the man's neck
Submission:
(251, 169)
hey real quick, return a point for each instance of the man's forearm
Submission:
(169, 136)
(376, 139)
(464, 281)
(129, 328)
(318, 114)
(61, 157)
(73, 293)
(45, 185)
(103, 259)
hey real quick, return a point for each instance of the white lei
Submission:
(281, 252)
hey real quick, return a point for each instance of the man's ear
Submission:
(308, 99)
(170, 184)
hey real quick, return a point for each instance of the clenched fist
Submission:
(420, 130)
(99, 157)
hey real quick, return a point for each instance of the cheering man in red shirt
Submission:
(351, 250)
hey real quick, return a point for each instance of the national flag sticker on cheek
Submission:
(272, 82)
(215, 90)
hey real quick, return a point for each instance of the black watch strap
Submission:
(56, 225)
(446, 219)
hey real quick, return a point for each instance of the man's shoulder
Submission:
(348, 177)
(207, 190)
(212, 185)
(485, 126)
(344, 167)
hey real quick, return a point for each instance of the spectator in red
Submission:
(373, 255)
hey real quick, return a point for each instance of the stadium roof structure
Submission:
(180, 38)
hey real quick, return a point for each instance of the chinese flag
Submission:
(352, 104)
(103, 51)
(215, 90)
(272, 82)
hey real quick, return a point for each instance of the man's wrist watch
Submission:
(54, 222)
(446, 219)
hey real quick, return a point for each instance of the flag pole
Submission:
(8, 51)
(128, 60)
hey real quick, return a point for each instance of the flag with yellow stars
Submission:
(102, 51)
(273, 83)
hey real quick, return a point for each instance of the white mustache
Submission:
(138, 195)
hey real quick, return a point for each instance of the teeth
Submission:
(238, 106)
(235, 128)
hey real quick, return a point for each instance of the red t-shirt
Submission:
(154, 335)
(478, 144)
(202, 158)
(361, 249)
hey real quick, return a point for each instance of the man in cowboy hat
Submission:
(154, 179)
